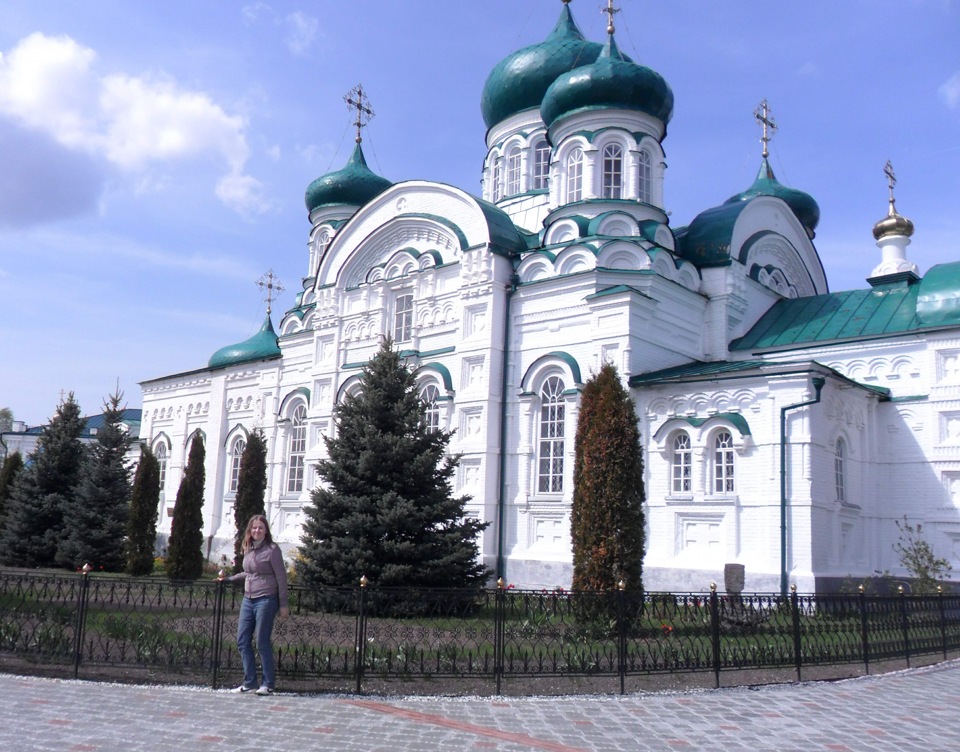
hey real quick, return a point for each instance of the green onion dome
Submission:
(801, 204)
(261, 346)
(612, 81)
(519, 81)
(355, 184)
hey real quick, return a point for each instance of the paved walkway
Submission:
(909, 710)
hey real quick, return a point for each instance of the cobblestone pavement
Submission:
(916, 709)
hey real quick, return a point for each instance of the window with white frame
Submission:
(431, 416)
(497, 180)
(403, 318)
(644, 178)
(574, 175)
(235, 457)
(551, 445)
(160, 452)
(613, 171)
(541, 164)
(513, 171)
(298, 450)
(838, 470)
(681, 464)
(723, 466)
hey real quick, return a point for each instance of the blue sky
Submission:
(154, 156)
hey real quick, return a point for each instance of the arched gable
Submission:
(425, 217)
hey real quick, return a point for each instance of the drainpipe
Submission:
(818, 382)
(501, 490)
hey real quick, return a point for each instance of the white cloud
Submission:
(950, 91)
(252, 11)
(135, 123)
(301, 31)
(242, 193)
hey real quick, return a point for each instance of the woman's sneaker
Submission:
(242, 689)
(264, 691)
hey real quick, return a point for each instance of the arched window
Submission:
(723, 463)
(645, 178)
(497, 180)
(681, 464)
(431, 417)
(298, 448)
(235, 456)
(541, 164)
(513, 171)
(612, 171)
(550, 455)
(160, 452)
(403, 318)
(838, 470)
(574, 175)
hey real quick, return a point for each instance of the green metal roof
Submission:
(354, 185)
(801, 204)
(855, 314)
(261, 346)
(732, 369)
(696, 369)
(613, 80)
(519, 81)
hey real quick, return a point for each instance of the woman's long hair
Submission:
(248, 538)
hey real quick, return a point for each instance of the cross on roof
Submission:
(610, 11)
(271, 283)
(356, 98)
(765, 118)
(891, 181)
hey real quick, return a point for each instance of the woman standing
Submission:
(264, 594)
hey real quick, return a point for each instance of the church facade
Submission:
(786, 428)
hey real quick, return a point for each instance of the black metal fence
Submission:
(350, 639)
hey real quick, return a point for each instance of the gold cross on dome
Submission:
(357, 98)
(765, 118)
(610, 11)
(891, 181)
(271, 283)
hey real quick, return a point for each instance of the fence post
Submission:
(360, 646)
(622, 636)
(498, 619)
(905, 625)
(795, 612)
(865, 640)
(715, 632)
(943, 621)
(218, 602)
(81, 618)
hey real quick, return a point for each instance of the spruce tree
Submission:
(607, 517)
(12, 466)
(387, 510)
(96, 523)
(185, 547)
(144, 508)
(251, 486)
(34, 519)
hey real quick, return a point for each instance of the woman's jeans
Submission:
(256, 616)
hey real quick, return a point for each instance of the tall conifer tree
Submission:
(185, 548)
(251, 486)
(387, 510)
(144, 508)
(96, 523)
(607, 517)
(34, 520)
(12, 466)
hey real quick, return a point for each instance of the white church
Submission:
(785, 428)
